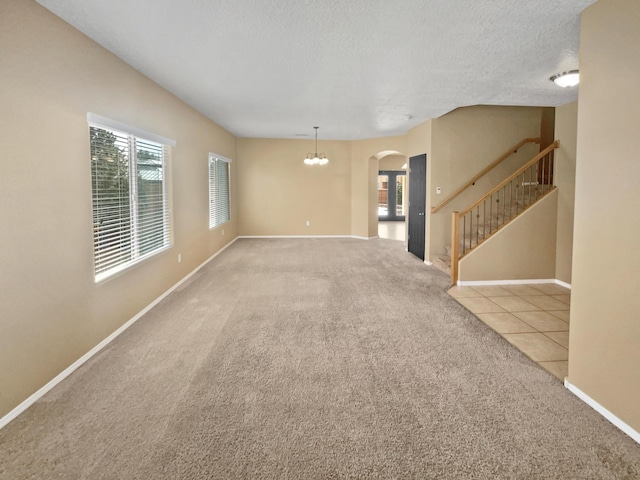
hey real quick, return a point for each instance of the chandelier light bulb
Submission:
(316, 158)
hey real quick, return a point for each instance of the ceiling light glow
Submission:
(566, 79)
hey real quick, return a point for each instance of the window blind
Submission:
(218, 190)
(130, 208)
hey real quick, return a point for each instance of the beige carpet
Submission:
(313, 359)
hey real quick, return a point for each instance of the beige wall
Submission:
(501, 257)
(604, 344)
(566, 129)
(463, 143)
(361, 195)
(419, 139)
(51, 311)
(364, 184)
(278, 193)
(372, 198)
(392, 162)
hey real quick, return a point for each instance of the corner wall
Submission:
(604, 353)
(278, 193)
(364, 181)
(392, 163)
(51, 311)
(464, 142)
(565, 179)
(524, 249)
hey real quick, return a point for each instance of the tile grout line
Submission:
(541, 363)
(555, 340)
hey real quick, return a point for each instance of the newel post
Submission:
(455, 246)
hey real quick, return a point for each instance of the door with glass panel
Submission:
(392, 193)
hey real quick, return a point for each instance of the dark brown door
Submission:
(417, 204)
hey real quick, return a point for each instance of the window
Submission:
(131, 218)
(218, 190)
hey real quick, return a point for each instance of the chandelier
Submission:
(316, 158)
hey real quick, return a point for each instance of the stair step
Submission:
(442, 263)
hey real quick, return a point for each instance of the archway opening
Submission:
(391, 195)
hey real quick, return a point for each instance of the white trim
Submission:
(118, 270)
(219, 157)
(78, 363)
(100, 121)
(364, 238)
(472, 283)
(307, 236)
(477, 283)
(427, 262)
(626, 428)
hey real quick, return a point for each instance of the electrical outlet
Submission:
(438, 190)
(308, 223)
(179, 257)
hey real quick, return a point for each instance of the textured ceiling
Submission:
(356, 68)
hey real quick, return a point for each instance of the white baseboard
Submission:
(634, 434)
(427, 262)
(365, 238)
(310, 236)
(471, 283)
(78, 363)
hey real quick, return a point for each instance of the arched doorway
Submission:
(391, 195)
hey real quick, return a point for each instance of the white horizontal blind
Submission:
(130, 207)
(218, 191)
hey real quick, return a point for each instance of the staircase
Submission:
(499, 216)
(513, 196)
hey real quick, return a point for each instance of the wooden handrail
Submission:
(473, 180)
(535, 159)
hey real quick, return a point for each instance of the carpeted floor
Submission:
(313, 359)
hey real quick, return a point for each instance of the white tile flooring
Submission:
(534, 318)
(392, 230)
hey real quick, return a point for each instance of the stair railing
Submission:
(514, 149)
(476, 223)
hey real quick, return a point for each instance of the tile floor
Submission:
(533, 317)
(392, 230)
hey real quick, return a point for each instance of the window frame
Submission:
(215, 160)
(134, 137)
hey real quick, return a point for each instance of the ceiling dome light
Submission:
(566, 79)
(316, 158)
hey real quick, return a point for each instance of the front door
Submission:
(391, 196)
(417, 204)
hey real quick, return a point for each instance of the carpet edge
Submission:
(34, 397)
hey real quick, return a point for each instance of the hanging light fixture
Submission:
(566, 79)
(316, 158)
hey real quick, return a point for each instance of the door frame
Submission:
(391, 207)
